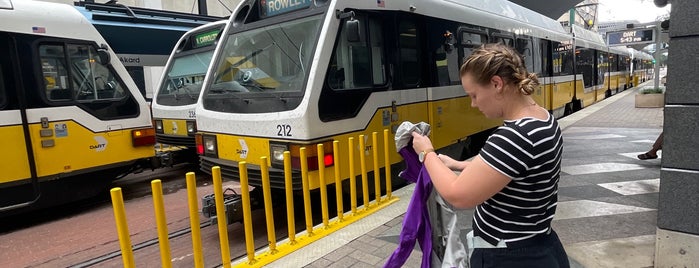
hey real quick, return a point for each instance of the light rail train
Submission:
(71, 118)
(173, 106)
(287, 75)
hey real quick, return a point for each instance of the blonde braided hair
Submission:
(497, 59)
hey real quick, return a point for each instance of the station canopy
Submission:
(551, 9)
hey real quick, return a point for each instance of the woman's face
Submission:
(484, 97)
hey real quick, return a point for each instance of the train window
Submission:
(87, 79)
(358, 64)
(93, 81)
(377, 57)
(5, 66)
(470, 41)
(73, 75)
(585, 61)
(562, 58)
(524, 47)
(602, 67)
(409, 55)
(545, 52)
(54, 72)
(502, 40)
(613, 62)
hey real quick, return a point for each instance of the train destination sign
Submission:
(630, 37)
(205, 39)
(276, 7)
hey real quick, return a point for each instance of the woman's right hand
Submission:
(451, 163)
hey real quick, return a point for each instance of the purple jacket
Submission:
(416, 222)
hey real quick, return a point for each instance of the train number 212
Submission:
(284, 130)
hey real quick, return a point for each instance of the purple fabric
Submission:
(416, 222)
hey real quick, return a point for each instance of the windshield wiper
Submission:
(188, 91)
(255, 86)
(174, 85)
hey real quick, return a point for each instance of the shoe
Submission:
(646, 156)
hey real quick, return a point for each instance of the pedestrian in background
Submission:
(513, 181)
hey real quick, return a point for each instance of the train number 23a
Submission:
(284, 130)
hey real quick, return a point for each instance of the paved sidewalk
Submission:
(607, 208)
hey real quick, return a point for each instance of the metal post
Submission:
(221, 217)
(289, 198)
(194, 220)
(338, 180)
(122, 227)
(323, 186)
(161, 223)
(656, 65)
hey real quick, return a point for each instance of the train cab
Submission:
(71, 118)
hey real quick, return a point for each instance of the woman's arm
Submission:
(452, 163)
(474, 185)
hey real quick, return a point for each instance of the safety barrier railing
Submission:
(294, 240)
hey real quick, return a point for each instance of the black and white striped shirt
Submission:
(528, 151)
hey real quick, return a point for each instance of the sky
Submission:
(641, 10)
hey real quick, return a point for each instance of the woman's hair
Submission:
(497, 59)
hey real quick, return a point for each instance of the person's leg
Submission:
(657, 145)
(653, 152)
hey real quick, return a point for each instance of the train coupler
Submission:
(232, 201)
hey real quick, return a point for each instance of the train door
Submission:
(408, 72)
(17, 165)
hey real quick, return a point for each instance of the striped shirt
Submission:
(528, 151)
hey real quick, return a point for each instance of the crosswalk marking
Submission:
(633, 187)
(588, 208)
(594, 137)
(599, 168)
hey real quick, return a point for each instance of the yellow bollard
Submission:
(377, 172)
(194, 224)
(161, 223)
(269, 213)
(247, 213)
(353, 178)
(306, 192)
(387, 164)
(221, 217)
(122, 227)
(338, 180)
(323, 188)
(289, 198)
(362, 165)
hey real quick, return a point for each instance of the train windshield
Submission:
(267, 63)
(184, 79)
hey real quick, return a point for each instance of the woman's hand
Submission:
(421, 143)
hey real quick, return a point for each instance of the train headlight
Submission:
(210, 148)
(158, 126)
(191, 127)
(277, 152)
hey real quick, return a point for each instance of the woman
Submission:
(513, 181)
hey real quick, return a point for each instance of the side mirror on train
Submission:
(103, 55)
(352, 30)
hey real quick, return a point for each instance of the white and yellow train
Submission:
(71, 118)
(174, 103)
(291, 74)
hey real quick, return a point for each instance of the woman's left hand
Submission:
(421, 143)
